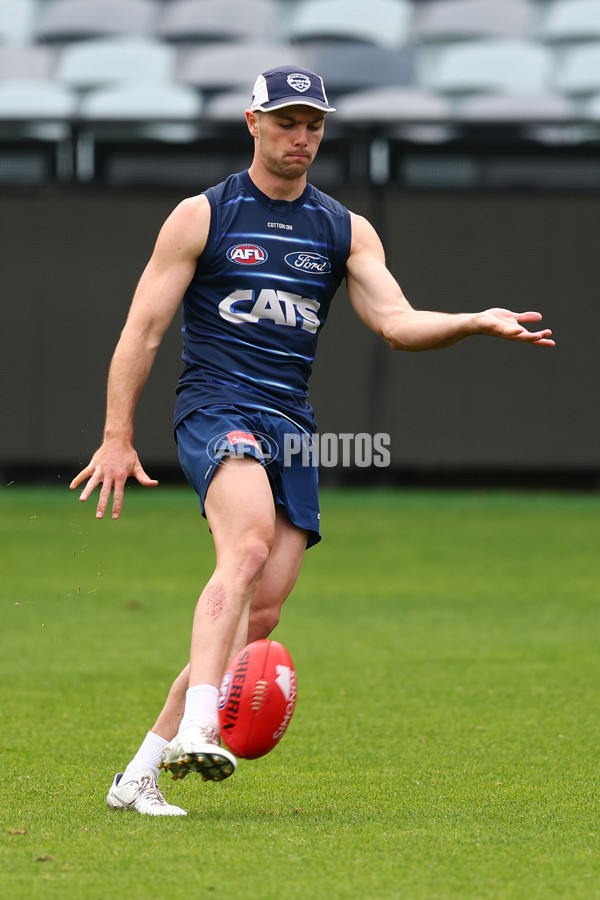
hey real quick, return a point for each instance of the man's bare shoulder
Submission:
(364, 236)
(196, 207)
(188, 225)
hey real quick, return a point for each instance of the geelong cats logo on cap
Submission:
(299, 82)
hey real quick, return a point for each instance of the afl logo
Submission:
(247, 255)
(309, 262)
(225, 689)
(235, 444)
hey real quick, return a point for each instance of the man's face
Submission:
(288, 139)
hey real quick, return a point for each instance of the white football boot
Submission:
(142, 795)
(198, 749)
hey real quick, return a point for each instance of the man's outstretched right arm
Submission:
(160, 290)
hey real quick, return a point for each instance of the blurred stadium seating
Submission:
(468, 131)
(506, 67)
(61, 21)
(216, 20)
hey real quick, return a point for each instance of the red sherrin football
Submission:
(257, 699)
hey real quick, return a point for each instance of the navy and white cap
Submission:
(289, 86)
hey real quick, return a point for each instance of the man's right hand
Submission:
(111, 465)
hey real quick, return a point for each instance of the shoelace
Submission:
(149, 788)
(211, 734)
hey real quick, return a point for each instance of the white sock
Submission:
(200, 706)
(147, 757)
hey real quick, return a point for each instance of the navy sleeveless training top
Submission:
(259, 298)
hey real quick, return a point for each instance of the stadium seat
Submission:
(16, 21)
(227, 66)
(593, 108)
(578, 73)
(451, 20)
(384, 23)
(40, 111)
(136, 111)
(141, 102)
(500, 66)
(26, 61)
(392, 105)
(69, 20)
(217, 20)
(348, 67)
(442, 23)
(87, 64)
(517, 108)
(29, 99)
(228, 107)
(541, 117)
(571, 21)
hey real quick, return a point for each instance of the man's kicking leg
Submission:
(240, 510)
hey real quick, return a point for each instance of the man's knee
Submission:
(251, 554)
(263, 622)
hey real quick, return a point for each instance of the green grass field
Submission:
(445, 742)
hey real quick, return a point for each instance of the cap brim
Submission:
(292, 101)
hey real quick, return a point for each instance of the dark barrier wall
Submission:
(71, 260)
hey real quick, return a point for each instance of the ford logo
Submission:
(308, 262)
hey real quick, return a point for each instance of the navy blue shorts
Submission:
(209, 437)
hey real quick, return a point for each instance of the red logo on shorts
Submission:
(242, 437)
